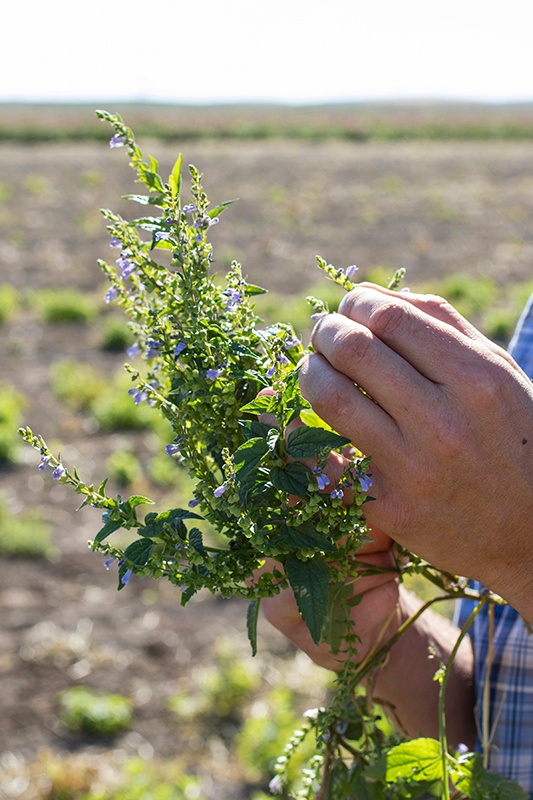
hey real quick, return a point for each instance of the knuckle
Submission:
(387, 318)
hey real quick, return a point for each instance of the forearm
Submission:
(406, 682)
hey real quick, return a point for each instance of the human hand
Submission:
(449, 426)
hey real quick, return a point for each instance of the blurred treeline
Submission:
(350, 122)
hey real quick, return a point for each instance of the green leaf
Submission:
(305, 537)
(312, 420)
(417, 760)
(261, 405)
(249, 455)
(470, 777)
(220, 208)
(310, 584)
(338, 615)
(138, 500)
(304, 442)
(139, 551)
(197, 541)
(174, 179)
(251, 289)
(110, 527)
(252, 616)
(252, 428)
(145, 199)
(291, 478)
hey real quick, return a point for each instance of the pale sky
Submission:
(292, 51)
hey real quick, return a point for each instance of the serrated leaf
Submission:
(110, 527)
(338, 615)
(305, 537)
(310, 583)
(470, 777)
(312, 420)
(252, 428)
(417, 760)
(139, 551)
(304, 442)
(261, 405)
(252, 616)
(196, 539)
(292, 478)
(249, 455)
(138, 500)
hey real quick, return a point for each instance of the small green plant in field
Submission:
(116, 335)
(123, 468)
(9, 303)
(152, 781)
(6, 192)
(64, 305)
(12, 404)
(471, 295)
(76, 384)
(83, 709)
(116, 410)
(24, 535)
(36, 185)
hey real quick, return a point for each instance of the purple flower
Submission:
(337, 494)
(133, 350)
(321, 480)
(44, 463)
(138, 395)
(198, 237)
(125, 264)
(58, 472)
(214, 373)
(365, 481)
(153, 348)
(115, 242)
(271, 371)
(180, 347)
(276, 785)
(281, 359)
(172, 449)
(109, 561)
(234, 299)
(188, 208)
(162, 236)
(219, 491)
(118, 140)
(193, 503)
(110, 294)
(350, 271)
(291, 341)
(318, 315)
(126, 577)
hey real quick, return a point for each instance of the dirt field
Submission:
(434, 208)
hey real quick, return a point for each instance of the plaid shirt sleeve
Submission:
(511, 674)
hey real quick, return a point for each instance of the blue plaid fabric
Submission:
(510, 723)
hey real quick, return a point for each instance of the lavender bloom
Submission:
(318, 315)
(281, 359)
(137, 395)
(290, 342)
(350, 271)
(109, 561)
(198, 237)
(172, 449)
(110, 294)
(337, 494)
(271, 371)
(180, 347)
(153, 348)
(188, 208)
(115, 242)
(133, 350)
(58, 472)
(234, 299)
(276, 785)
(214, 373)
(193, 503)
(128, 269)
(44, 463)
(321, 479)
(365, 481)
(117, 141)
(126, 577)
(219, 491)
(162, 236)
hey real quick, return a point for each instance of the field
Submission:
(456, 214)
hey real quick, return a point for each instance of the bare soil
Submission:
(434, 208)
